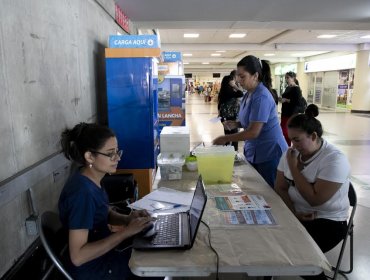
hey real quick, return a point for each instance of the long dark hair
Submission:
(84, 137)
(307, 121)
(266, 75)
(224, 86)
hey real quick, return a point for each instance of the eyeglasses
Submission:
(112, 155)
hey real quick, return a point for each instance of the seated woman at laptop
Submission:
(313, 181)
(84, 209)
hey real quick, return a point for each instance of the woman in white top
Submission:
(313, 181)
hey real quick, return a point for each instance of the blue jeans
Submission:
(267, 170)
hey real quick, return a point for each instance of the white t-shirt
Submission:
(328, 164)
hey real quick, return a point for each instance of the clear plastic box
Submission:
(171, 165)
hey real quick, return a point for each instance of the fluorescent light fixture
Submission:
(365, 37)
(269, 54)
(191, 35)
(297, 55)
(326, 36)
(237, 35)
(221, 51)
(215, 54)
(187, 54)
(185, 63)
(205, 62)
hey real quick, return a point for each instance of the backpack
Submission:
(302, 105)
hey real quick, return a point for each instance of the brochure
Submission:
(249, 217)
(241, 202)
(224, 190)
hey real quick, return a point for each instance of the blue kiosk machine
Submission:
(132, 77)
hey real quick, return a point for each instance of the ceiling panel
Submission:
(286, 28)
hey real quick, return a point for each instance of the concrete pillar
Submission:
(361, 88)
(302, 78)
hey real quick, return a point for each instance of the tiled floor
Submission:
(349, 132)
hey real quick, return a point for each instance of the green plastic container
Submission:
(215, 163)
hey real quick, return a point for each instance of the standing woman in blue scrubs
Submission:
(264, 140)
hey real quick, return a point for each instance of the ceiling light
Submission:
(205, 62)
(269, 54)
(327, 36)
(220, 51)
(297, 55)
(237, 35)
(215, 54)
(365, 37)
(185, 63)
(191, 35)
(187, 54)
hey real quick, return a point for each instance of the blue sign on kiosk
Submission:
(171, 56)
(134, 41)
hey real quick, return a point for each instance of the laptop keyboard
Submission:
(167, 227)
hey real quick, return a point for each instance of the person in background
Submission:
(84, 210)
(228, 104)
(200, 89)
(290, 102)
(313, 180)
(264, 140)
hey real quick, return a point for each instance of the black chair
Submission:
(122, 189)
(54, 240)
(336, 269)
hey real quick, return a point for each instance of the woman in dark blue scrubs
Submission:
(84, 209)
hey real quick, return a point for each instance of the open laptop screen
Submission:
(196, 207)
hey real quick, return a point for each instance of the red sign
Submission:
(122, 19)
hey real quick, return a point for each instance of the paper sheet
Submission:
(241, 202)
(168, 198)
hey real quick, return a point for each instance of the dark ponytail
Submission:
(307, 121)
(266, 75)
(82, 138)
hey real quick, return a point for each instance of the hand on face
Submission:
(291, 156)
(232, 83)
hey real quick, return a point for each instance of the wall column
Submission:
(361, 89)
(302, 79)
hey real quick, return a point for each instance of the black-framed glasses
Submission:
(112, 155)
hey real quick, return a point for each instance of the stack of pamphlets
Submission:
(239, 208)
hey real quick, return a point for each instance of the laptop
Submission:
(179, 230)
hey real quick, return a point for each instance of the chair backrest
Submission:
(352, 195)
(53, 238)
(353, 203)
(120, 187)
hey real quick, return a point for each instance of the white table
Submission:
(283, 249)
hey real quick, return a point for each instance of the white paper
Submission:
(215, 120)
(167, 198)
(171, 196)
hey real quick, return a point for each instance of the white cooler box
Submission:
(175, 139)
